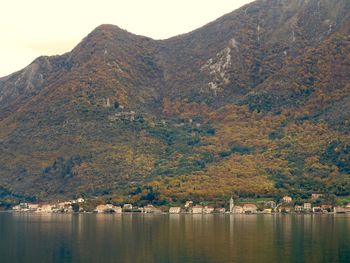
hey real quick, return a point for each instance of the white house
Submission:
(127, 207)
(175, 210)
(197, 209)
(16, 208)
(208, 210)
(33, 207)
(21, 207)
(80, 200)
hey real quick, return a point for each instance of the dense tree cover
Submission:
(244, 106)
(203, 155)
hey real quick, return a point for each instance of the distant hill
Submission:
(255, 103)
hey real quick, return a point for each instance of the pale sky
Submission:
(31, 28)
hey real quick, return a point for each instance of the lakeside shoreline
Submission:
(167, 213)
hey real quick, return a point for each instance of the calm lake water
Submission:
(36, 238)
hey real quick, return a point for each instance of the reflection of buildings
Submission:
(182, 238)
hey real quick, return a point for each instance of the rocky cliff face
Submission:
(217, 106)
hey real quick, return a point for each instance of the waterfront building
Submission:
(307, 206)
(127, 207)
(220, 210)
(108, 208)
(208, 210)
(21, 207)
(284, 209)
(33, 207)
(175, 210)
(118, 209)
(45, 208)
(326, 208)
(16, 208)
(237, 210)
(250, 208)
(298, 208)
(100, 208)
(316, 209)
(347, 208)
(339, 210)
(151, 209)
(148, 209)
(197, 209)
(80, 200)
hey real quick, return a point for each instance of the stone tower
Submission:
(231, 204)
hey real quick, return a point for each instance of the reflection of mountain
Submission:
(254, 102)
(175, 238)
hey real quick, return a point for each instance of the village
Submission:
(285, 206)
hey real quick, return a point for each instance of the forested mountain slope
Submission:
(254, 103)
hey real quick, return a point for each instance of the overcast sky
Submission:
(30, 28)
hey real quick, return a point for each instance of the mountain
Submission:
(256, 103)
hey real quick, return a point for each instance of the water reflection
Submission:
(174, 238)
